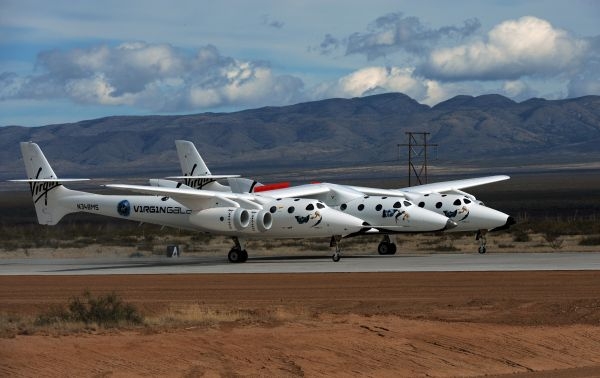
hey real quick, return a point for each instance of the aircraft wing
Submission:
(332, 194)
(196, 199)
(454, 185)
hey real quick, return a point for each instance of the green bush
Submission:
(108, 310)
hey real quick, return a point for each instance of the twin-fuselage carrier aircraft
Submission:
(244, 212)
(387, 211)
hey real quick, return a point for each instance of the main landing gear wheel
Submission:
(386, 248)
(237, 255)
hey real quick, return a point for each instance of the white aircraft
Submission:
(241, 216)
(387, 211)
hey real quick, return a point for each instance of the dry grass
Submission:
(176, 316)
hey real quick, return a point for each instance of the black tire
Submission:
(392, 249)
(383, 248)
(234, 255)
(336, 257)
(482, 250)
(244, 255)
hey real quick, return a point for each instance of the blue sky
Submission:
(66, 61)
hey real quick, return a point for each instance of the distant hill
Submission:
(481, 131)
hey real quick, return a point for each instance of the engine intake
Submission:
(261, 221)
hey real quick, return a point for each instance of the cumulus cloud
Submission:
(373, 80)
(394, 32)
(159, 77)
(525, 47)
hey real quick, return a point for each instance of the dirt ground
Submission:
(522, 324)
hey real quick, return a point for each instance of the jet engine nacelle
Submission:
(260, 221)
(222, 218)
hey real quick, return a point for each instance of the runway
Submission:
(306, 264)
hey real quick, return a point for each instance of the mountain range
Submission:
(489, 130)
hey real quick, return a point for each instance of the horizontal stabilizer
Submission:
(214, 177)
(51, 180)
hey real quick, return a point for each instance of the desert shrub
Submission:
(590, 240)
(521, 236)
(105, 310)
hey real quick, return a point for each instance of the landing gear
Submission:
(335, 242)
(237, 254)
(482, 241)
(386, 247)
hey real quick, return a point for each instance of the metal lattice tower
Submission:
(417, 156)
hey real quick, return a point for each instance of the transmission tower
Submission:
(417, 156)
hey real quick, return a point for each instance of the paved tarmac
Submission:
(309, 264)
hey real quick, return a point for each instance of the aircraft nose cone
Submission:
(450, 224)
(509, 222)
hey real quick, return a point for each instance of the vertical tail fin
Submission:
(190, 160)
(194, 167)
(46, 188)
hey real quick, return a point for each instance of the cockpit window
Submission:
(320, 205)
(438, 205)
(407, 204)
(378, 207)
(310, 207)
(366, 196)
(296, 199)
(383, 197)
(457, 203)
(291, 209)
(397, 205)
(467, 201)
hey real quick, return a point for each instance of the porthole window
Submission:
(397, 205)
(361, 207)
(421, 204)
(438, 205)
(221, 219)
(343, 207)
(273, 209)
(457, 203)
(407, 204)
(378, 207)
(291, 209)
(320, 205)
(310, 207)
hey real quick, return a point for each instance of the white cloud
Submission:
(372, 80)
(158, 77)
(514, 48)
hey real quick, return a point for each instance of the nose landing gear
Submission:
(336, 242)
(481, 236)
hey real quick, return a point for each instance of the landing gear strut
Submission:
(482, 241)
(386, 247)
(237, 254)
(336, 242)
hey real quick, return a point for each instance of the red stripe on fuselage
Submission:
(267, 187)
